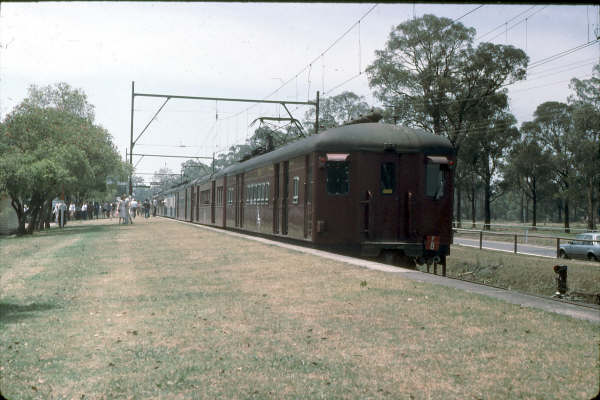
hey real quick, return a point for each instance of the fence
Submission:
(545, 243)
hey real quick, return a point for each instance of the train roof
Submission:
(371, 137)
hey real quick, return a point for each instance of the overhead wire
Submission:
(360, 72)
(336, 41)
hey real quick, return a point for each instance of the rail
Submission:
(526, 236)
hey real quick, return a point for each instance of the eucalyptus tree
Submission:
(586, 124)
(494, 139)
(335, 110)
(553, 125)
(529, 167)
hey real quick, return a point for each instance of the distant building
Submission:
(9, 222)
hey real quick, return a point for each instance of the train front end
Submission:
(389, 192)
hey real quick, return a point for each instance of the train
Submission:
(373, 190)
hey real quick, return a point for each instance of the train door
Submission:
(197, 203)
(239, 193)
(276, 198)
(284, 198)
(382, 202)
(307, 197)
(212, 201)
(237, 201)
(192, 202)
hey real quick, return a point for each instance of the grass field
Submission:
(167, 311)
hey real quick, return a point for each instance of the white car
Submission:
(585, 245)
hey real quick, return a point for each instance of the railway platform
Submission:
(590, 313)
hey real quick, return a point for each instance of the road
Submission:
(508, 247)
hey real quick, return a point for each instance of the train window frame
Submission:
(386, 189)
(337, 185)
(295, 189)
(435, 179)
(230, 196)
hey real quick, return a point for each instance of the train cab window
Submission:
(337, 177)
(296, 190)
(434, 180)
(388, 177)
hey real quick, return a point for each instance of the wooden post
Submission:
(557, 247)
(515, 244)
(480, 239)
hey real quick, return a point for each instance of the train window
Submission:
(388, 177)
(267, 192)
(434, 184)
(337, 177)
(296, 190)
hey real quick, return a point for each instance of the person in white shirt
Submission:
(133, 205)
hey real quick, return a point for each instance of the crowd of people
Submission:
(124, 208)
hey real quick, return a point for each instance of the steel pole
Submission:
(131, 141)
(317, 114)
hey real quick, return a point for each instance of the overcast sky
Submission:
(247, 50)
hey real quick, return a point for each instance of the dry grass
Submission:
(163, 310)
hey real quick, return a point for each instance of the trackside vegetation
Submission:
(160, 309)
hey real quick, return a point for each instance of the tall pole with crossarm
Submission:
(168, 97)
(131, 141)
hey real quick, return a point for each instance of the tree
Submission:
(334, 111)
(553, 125)
(192, 169)
(529, 167)
(494, 142)
(586, 124)
(430, 73)
(50, 147)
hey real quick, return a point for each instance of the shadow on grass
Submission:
(10, 313)
(77, 230)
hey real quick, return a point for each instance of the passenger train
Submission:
(368, 189)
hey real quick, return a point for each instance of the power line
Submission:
(518, 23)
(309, 65)
(473, 10)
(504, 23)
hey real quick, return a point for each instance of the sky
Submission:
(249, 51)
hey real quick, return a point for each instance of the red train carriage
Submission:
(377, 189)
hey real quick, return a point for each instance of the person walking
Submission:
(123, 211)
(84, 208)
(128, 211)
(72, 211)
(133, 204)
(146, 208)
